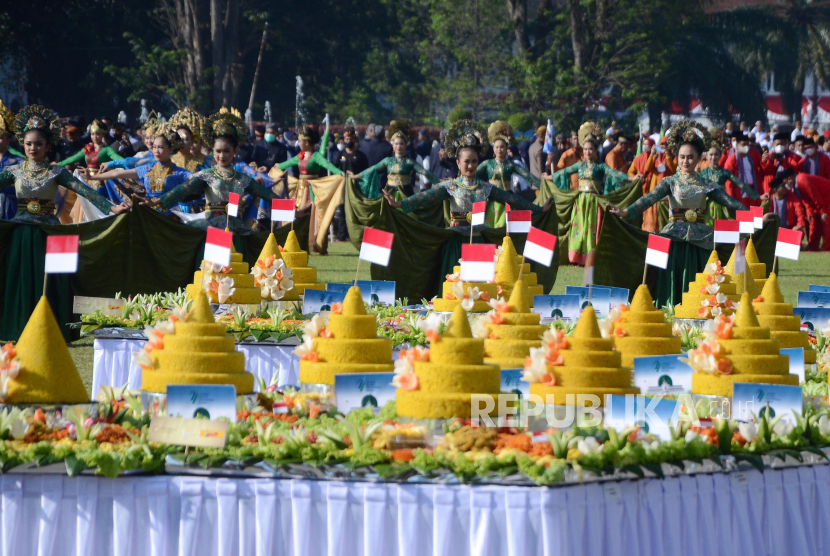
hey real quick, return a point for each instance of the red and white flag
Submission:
(727, 231)
(518, 221)
(377, 246)
(62, 254)
(740, 257)
(218, 246)
(657, 251)
(539, 246)
(233, 204)
(746, 222)
(478, 262)
(758, 216)
(282, 210)
(788, 245)
(478, 213)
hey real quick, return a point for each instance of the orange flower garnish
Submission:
(310, 356)
(710, 278)
(724, 367)
(336, 308)
(326, 333)
(703, 290)
(313, 410)
(484, 296)
(553, 357)
(409, 382)
(289, 401)
(713, 301)
(432, 336)
(620, 333)
(493, 336)
(759, 299)
(624, 307)
(703, 312)
(496, 318)
(8, 351)
(450, 296)
(281, 248)
(549, 379)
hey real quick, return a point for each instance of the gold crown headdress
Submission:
(227, 123)
(466, 133)
(400, 127)
(500, 130)
(98, 126)
(6, 120)
(589, 131)
(687, 131)
(168, 130)
(191, 119)
(151, 124)
(40, 118)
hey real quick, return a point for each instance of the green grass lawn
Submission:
(340, 264)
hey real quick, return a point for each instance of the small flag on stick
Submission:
(218, 246)
(727, 231)
(376, 246)
(282, 210)
(746, 221)
(788, 245)
(758, 216)
(62, 254)
(657, 251)
(540, 246)
(518, 221)
(478, 213)
(233, 204)
(478, 262)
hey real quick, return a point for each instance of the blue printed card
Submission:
(315, 301)
(211, 401)
(662, 374)
(598, 297)
(357, 390)
(373, 291)
(753, 399)
(557, 306)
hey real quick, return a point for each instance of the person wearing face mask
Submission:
(783, 202)
(746, 163)
(813, 163)
(269, 152)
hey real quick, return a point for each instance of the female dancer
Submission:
(310, 163)
(711, 170)
(397, 167)
(499, 171)
(594, 178)
(160, 176)
(36, 181)
(216, 182)
(687, 190)
(190, 126)
(8, 157)
(466, 141)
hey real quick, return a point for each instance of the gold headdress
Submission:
(168, 130)
(687, 131)
(6, 120)
(500, 130)
(151, 124)
(191, 119)
(309, 134)
(40, 118)
(227, 123)
(466, 133)
(400, 127)
(589, 131)
(98, 127)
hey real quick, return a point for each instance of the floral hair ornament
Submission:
(227, 122)
(168, 131)
(37, 118)
(400, 128)
(589, 131)
(500, 130)
(466, 133)
(192, 120)
(687, 131)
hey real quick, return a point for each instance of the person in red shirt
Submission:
(781, 158)
(814, 192)
(747, 164)
(782, 201)
(814, 162)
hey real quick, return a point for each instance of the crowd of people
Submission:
(785, 171)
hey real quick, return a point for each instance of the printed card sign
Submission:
(796, 356)
(619, 296)
(357, 390)
(662, 374)
(512, 383)
(557, 306)
(599, 298)
(197, 433)
(813, 299)
(87, 305)
(815, 288)
(753, 399)
(315, 301)
(373, 291)
(652, 415)
(813, 318)
(209, 401)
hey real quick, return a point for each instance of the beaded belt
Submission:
(37, 207)
(397, 179)
(460, 219)
(687, 215)
(588, 186)
(215, 210)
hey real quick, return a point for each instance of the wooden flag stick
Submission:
(774, 264)
(645, 270)
(471, 233)
(45, 276)
(228, 219)
(357, 271)
(521, 267)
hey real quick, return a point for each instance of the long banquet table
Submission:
(778, 512)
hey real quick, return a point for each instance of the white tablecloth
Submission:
(777, 513)
(113, 363)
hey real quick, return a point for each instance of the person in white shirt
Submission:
(796, 132)
(760, 134)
